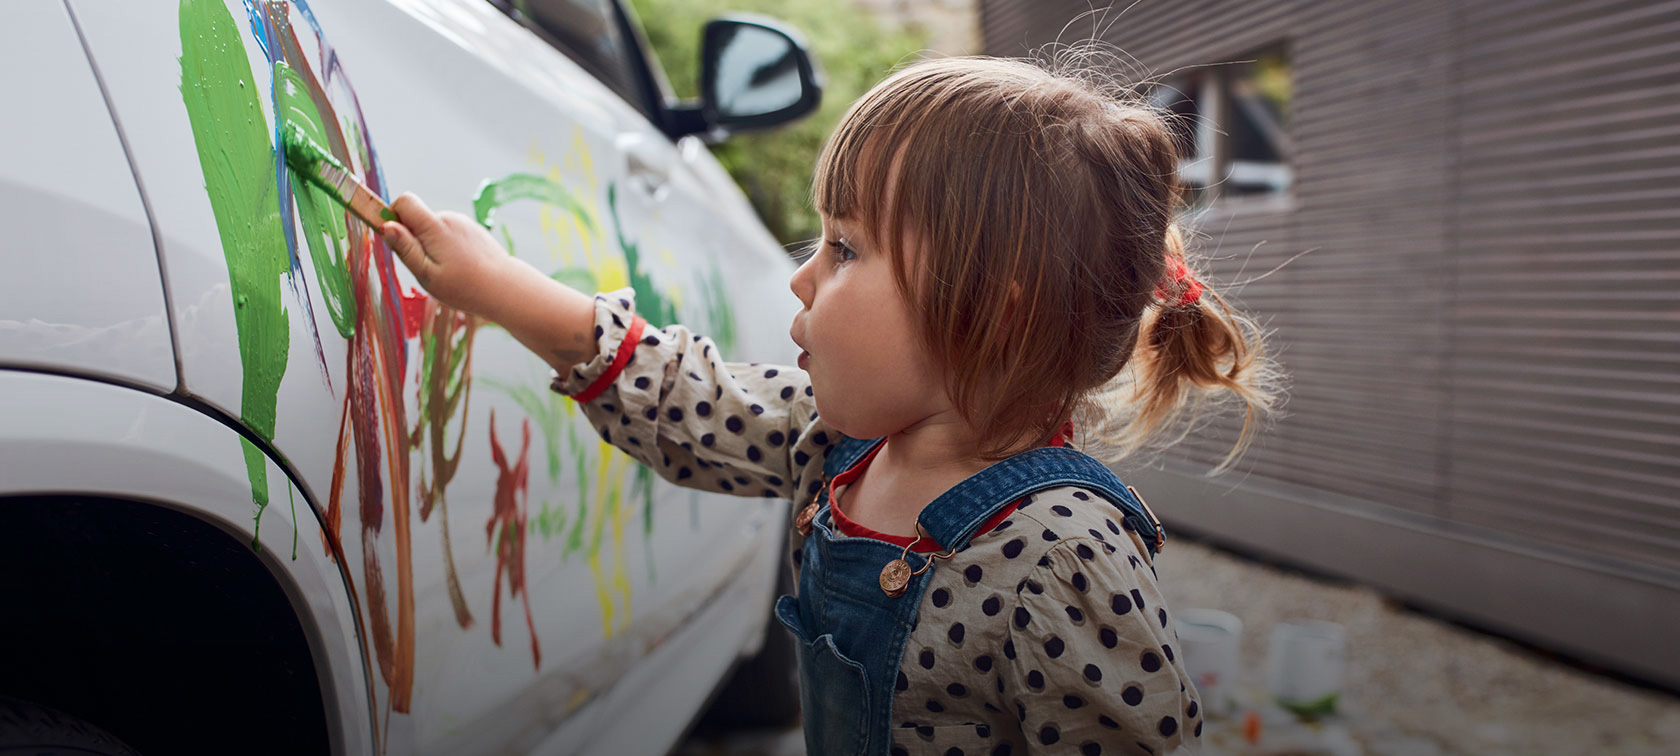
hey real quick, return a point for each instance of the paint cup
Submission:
(1211, 641)
(1304, 668)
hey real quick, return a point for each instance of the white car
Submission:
(260, 494)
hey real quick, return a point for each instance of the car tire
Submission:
(764, 690)
(28, 729)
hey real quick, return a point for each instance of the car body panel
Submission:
(70, 435)
(81, 290)
(317, 342)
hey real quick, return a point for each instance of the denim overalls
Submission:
(851, 633)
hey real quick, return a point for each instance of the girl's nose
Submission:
(801, 283)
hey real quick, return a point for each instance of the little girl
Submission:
(998, 247)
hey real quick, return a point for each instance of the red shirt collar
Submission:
(848, 527)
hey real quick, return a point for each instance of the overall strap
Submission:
(845, 452)
(953, 517)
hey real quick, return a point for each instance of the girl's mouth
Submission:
(804, 360)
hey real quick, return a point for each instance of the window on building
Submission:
(1231, 125)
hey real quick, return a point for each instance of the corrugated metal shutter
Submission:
(1565, 334)
(1358, 321)
(1488, 328)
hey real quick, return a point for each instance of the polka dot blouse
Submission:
(1049, 634)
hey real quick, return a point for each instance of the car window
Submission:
(587, 31)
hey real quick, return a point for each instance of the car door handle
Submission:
(645, 163)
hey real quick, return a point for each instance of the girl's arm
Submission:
(460, 264)
(666, 397)
(1097, 657)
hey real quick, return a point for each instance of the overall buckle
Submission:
(895, 577)
(1160, 530)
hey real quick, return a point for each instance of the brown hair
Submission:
(1048, 209)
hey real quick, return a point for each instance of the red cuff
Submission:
(625, 349)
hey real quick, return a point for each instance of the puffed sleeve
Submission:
(666, 397)
(1093, 658)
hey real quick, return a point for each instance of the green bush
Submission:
(773, 168)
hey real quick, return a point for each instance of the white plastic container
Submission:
(1211, 642)
(1304, 668)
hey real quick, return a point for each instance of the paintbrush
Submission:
(320, 168)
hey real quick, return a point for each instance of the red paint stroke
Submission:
(414, 311)
(511, 503)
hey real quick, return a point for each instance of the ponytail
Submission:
(1194, 350)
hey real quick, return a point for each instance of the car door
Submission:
(508, 567)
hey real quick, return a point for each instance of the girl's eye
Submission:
(841, 249)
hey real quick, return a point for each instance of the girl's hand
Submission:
(454, 258)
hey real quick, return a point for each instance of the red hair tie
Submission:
(1178, 273)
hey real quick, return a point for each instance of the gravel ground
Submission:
(1415, 684)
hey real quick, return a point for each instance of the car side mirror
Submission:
(755, 73)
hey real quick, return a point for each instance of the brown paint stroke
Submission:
(370, 495)
(450, 333)
(511, 502)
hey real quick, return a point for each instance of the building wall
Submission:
(1484, 339)
(952, 25)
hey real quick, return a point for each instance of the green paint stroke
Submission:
(653, 308)
(493, 194)
(548, 522)
(234, 151)
(720, 317)
(317, 201)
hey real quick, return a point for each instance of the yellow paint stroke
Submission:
(612, 582)
(606, 500)
(580, 162)
(622, 513)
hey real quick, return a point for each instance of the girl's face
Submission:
(868, 375)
